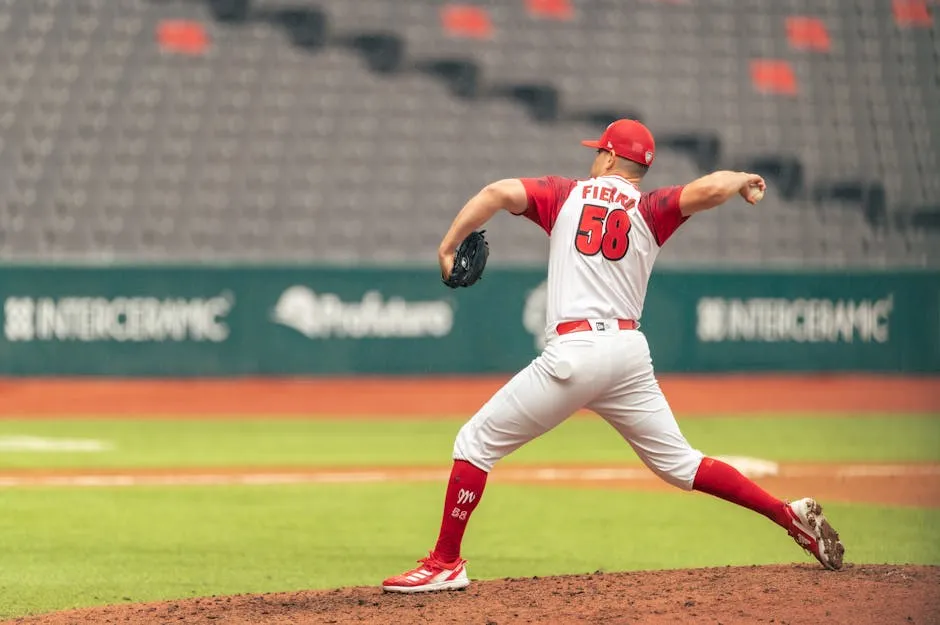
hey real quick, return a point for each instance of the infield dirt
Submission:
(795, 594)
(433, 397)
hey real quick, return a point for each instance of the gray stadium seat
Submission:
(266, 149)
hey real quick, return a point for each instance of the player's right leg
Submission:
(534, 401)
(638, 410)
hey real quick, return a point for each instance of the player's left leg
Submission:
(534, 401)
(638, 410)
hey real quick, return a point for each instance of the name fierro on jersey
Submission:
(607, 194)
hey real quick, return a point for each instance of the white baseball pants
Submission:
(607, 371)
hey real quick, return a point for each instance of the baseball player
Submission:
(605, 235)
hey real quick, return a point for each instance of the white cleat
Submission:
(431, 576)
(811, 531)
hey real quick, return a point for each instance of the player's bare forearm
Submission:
(479, 210)
(506, 194)
(717, 188)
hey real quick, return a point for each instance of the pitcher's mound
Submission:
(797, 594)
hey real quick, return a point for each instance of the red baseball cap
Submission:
(627, 138)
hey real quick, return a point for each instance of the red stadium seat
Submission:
(550, 9)
(461, 20)
(773, 76)
(807, 33)
(912, 13)
(182, 36)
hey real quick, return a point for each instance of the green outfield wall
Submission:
(220, 321)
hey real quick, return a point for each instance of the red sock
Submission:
(722, 480)
(464, 490)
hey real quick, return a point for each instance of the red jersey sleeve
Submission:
(660, 210)
(545, 198)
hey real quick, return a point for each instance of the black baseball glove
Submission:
(469, 260)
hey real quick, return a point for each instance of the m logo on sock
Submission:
(465, 496)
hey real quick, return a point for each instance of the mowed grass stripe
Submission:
(73, 547)
(382, 442)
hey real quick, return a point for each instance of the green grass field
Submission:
(65, 547)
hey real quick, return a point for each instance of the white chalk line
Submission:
(41, 444)
(352, 476)
(866, 470)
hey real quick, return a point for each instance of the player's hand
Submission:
(753, 188)
(447, 264)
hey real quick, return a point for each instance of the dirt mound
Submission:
(802, 594)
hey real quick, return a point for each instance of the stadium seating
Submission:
(352, 130)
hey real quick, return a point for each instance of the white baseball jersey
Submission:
(606, 235)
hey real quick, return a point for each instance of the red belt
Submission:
(585, 325)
